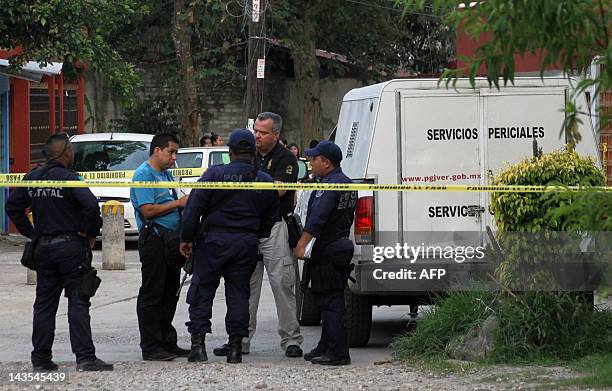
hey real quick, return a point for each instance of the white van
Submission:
(416, 132)
(112, 152)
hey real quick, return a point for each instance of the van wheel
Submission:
(309, 314)
(358, 318)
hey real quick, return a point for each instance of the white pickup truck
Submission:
(416, 132)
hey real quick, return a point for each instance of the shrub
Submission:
(532, 258)
(527, 212)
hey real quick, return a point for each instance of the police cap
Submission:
(326, 149)
(241, 140)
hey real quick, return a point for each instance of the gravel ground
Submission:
(296, 375)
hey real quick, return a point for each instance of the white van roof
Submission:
(376, 90)
(112, 136)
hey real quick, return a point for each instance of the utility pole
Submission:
(256, 62)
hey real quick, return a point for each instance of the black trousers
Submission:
(157, 298)
(232, 256)
(334, 338)
(58, 268)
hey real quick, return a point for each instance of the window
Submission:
(189, 159)
(218, 157)
(109, 155)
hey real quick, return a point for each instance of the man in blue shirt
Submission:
(157, 211)
(329, 220)
(226, 226)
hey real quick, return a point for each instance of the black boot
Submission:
(221, 350)
(198, 348)
(234, 351)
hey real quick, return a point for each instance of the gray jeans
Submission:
(278, 261)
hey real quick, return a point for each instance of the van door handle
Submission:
(475, 210)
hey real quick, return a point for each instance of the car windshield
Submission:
(109, 155)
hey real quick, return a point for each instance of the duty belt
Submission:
(60, 238)
(222, 229)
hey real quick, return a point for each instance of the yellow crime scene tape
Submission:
(119, 174)
(111, 179)
(298, 186)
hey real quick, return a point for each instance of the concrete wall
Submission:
(225, 105)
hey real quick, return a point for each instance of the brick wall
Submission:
(226, 105)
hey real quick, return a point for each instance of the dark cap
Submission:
(327, 149)
(242, 140)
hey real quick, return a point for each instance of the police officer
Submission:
(281, 165)
(231, 222)
(67, 221)
(330, 217)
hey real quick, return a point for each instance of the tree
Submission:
(376, 40)
(70, 31)
(184, 20)
(564, 34)
(190, 45)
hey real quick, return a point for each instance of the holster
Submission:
(27, 258)
(328, 269)
(90, 282)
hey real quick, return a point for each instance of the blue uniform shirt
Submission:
(331, 213)
(251, 210)
(55, 210)
(143, 196)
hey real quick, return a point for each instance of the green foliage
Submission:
(599, 367)
(533, 327)
(589, 210)
(538, 260)
(527, 212)
(377, 39)
(452, 316)
(151, 115)
(70, 31)
(538, 325)
(563, 34)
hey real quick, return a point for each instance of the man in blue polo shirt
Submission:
(157, 211)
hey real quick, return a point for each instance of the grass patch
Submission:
(450, 317)
(535, 327)
(599, 368)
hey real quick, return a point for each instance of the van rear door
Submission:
(514, 117)
(441, 144)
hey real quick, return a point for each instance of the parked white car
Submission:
(200, 157)
(112, 152)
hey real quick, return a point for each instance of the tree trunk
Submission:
(189, 110)
(306, 70)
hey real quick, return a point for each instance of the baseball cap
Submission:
(242, 140)
(327, 149)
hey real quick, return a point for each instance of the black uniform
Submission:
(59, 215)
(229, 247)
(330, 217)
(282, 166)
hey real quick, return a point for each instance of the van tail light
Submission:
(364, 221)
